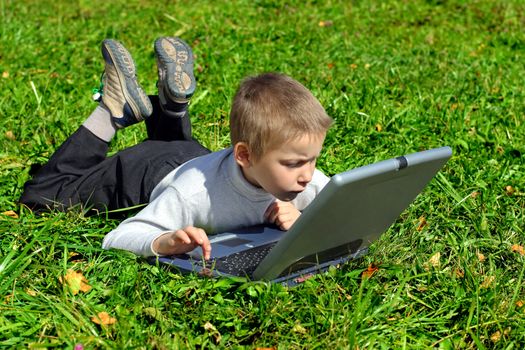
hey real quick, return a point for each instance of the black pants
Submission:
(79, 174)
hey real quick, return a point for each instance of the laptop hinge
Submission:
(403, 162)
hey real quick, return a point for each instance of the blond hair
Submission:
(271, 109)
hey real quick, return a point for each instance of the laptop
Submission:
(350, 213)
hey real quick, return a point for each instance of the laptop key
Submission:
(241, 263)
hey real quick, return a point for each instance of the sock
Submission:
(172, 108)
(100, 124)
(173, 113)
(179, 121)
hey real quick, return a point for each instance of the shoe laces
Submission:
(98, 91)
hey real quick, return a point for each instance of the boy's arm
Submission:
(164, 216)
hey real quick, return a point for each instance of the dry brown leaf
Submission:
(518, 249)
(9, 135)
(209, 327)
(509, 190)
(474, 194)
(103, 319)
(459, 273)
(421, 223)
(435, 259)
(353, 66)
(75, 281)
(330, 65)
(487, 281)
(372, 269)
(520, 303)
(326, 23)
(11, 214)
(495, 337)
(74, 256)
(481, 257)
(213, 331)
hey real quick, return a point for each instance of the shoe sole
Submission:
(138, 103)
(175, 60)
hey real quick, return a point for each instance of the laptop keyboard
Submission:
(242, 263)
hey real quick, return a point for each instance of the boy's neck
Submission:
(246, 174)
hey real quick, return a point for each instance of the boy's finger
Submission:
(182, 236)
(195, 234)
(199, 236)
(274, 214)
(205, 244)
(206, 248)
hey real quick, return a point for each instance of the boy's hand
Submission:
(282, 214)
(183, 241)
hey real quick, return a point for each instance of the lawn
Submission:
(396, 76)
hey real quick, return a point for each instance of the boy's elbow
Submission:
(106, 242)
(113, 239)
(141, 247)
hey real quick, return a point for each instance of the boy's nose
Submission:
(306, 175)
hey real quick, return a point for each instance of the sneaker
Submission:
(122, 94)
(175, 66)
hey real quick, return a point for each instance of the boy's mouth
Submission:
(289, 196)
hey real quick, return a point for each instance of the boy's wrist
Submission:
(155, 244)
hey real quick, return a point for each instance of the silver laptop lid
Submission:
(355, 206)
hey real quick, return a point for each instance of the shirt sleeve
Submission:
(136, 234)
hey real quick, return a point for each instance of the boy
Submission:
(267, 176)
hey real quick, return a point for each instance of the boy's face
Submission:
(285, 171)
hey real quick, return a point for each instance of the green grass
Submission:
(397, 77)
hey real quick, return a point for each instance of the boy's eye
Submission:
(292, 164)
(298, 164)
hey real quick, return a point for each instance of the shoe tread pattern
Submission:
(122, 93)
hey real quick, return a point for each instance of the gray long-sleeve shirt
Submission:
(209, 192)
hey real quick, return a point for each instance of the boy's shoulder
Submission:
(195, 175)
(205, 164)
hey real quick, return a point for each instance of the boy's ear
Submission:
(242, 155)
